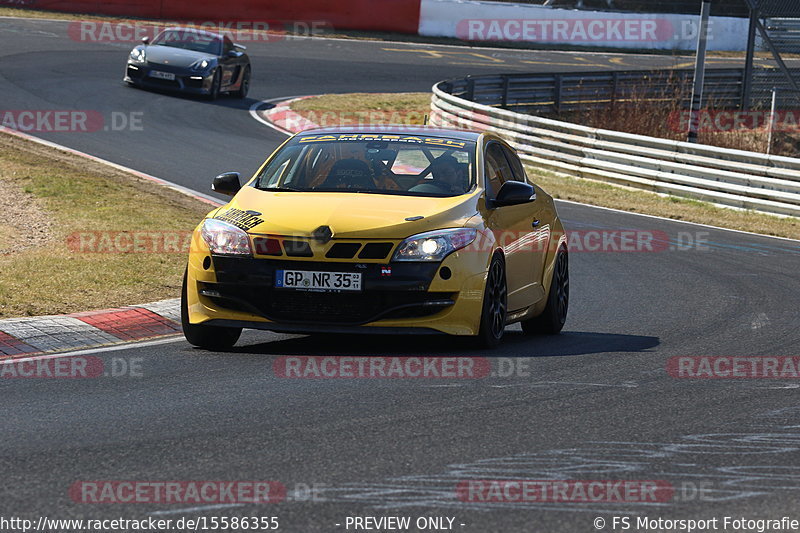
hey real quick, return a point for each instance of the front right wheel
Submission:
(208, 337)
(245, 85)
(495, 305)
(552, 319)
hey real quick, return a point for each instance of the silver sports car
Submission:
(192, 61)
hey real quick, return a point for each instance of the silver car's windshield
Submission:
(189, 39)
(372, 163)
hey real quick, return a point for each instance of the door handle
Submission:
(535, 223)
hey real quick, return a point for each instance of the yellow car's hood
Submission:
(349, 215)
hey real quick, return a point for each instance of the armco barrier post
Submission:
(699, 72)
(504, 97)
(557, 95)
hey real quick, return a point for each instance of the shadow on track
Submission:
(515, 344)
(224, 100)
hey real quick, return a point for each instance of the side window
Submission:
(227, 46)
(498, 171)
(278, 171)
(516, 165)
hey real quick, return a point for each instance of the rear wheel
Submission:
(208, 337)
(245, 86)
(552, 319)
(495, 305)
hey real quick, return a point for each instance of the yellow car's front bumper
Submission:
(441, 297)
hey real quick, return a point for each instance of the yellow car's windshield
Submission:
(372, 163)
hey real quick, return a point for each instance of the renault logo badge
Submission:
(322, 234)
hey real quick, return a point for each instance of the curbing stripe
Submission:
(287, 120)
(50, 333)
(256, 111)
(130, 324)
(34, 335)
(10, 346)
(169, 309)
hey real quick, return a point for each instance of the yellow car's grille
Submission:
(292, 247)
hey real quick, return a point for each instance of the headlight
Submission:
(138, 55)
(434, 245)
(225, 239)
(200, 65)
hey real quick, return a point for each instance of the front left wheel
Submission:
(208, 337)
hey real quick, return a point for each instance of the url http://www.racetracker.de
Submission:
(161, 525)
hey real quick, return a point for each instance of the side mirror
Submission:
(227, 183)
(515, 193)
(234, 53)
(146, 40)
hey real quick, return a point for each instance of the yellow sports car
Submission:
(404, 230)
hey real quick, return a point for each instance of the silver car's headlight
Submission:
(225, 239)
(200, 65)
(138, 55)
(434, 245)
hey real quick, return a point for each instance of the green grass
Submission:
(365, 109)
(57, 194)
(389, 102)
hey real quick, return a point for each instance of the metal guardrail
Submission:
(558, 93)
(784, 32)
(727, 177)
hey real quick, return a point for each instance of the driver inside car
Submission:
(445, 176)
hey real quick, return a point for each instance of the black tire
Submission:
(552, 319)
(245, 86)
(216, 83)
(207, 337)
(495, 305)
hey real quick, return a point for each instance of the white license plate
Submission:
(162, 75)
(322, 281)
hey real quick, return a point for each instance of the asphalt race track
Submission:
(595, 403)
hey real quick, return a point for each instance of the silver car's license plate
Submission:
(162, 75)
(322, 281)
